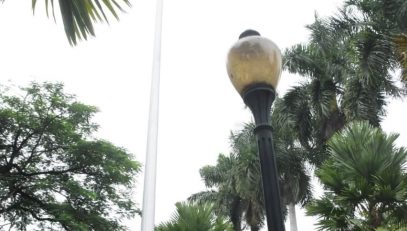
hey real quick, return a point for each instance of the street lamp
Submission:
(254, 67)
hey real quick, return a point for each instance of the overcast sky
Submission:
(198, 105)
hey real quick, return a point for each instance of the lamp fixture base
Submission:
(259, 98)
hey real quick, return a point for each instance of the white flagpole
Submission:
(148, 210)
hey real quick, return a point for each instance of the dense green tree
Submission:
(53, 174)
(197, 217)
(365, 180)
(78, 16)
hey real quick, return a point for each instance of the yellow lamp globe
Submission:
(253, 60)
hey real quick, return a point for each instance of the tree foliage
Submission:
(365, 180)
(53, 174)
(197, 217)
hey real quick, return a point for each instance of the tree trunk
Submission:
(236, 215)
(236, 225)
(254, 228)
(292, 216)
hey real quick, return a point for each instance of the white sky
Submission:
(198, 105)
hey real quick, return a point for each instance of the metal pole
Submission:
(259, 99)
(148, 210)
(270, 178)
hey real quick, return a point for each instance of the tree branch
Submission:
(16, 149)
(33, 214)
(11, 207)
(52, 172)
(46, 122)
(14, 153)
(33, 151)
(43, 206)
(26, 139)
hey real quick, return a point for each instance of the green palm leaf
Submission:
(78, 16)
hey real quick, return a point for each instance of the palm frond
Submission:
(375, 56)
(397, 218)
(332, 216)
(370, 188)
(79, 16)
(204, 197)
(363, 103)
(192, 216)
(300, 59)
(299, 113)
(345, 22)
(401, 50)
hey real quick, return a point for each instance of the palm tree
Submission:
(235, 181)
(248, 172)
(365, 182)
(348, 67)
(294, 175)
(294, 182)
(78, 16)
(197, 217)
(226, 198)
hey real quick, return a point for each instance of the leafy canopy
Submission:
(53, 174)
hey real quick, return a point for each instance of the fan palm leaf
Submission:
(370, 190)
(198, 217)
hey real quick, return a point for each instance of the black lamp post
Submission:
(254, 67)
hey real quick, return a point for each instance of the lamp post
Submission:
(254, 67)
